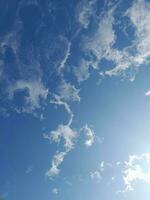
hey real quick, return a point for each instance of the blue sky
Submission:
(74, 99)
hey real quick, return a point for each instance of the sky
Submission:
(74, 99)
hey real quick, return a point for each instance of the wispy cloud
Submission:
(97, 44)
(57, 100)
(55, 191)
(57, 160)
(35, 92)
(29, 170)
(68, 136)
(64, 61)
(138, 52)
(97, 174)
(89, 136)
(81, 71)
(102, 40)
(85, 10)
(147, 93)
(100, 43)
(68, 92)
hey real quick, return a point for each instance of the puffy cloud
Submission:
(84, 12)
(136, 168)
(90, 135)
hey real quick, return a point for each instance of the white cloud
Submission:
(29, 170)
(84, 12)
(68, 92)
(1, 69)
(138, 52)
(12, 38)
(57, 160)
(147, 93)
(82, 70)
(100, 44)
(137, 168)
(68, 136)
(36, 92)
(90, 135)
(102, 40)
(57, 100)
(55, 191)
(66, 133)
(139, 15)
(63, 62)
(122, 61)
(97, 174)
(97, 45)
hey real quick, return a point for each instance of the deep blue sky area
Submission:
(74, 99)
